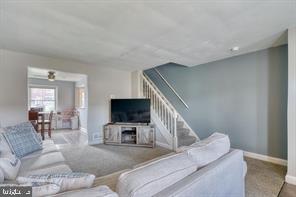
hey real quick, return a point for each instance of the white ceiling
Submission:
(39, 73)
(140, 34)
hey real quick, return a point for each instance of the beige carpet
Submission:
(288, 190)
(105, 159)
(68, 136)
(264, 178)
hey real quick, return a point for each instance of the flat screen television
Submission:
(130, 110)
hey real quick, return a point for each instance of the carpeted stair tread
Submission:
(180, 124)
(183, 132)
(186, 140)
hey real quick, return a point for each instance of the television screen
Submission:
(130, 110)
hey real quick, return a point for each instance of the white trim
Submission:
(266, 158)
(290, 179)
(161, 129)
(291, 108)
(164, 145)
(78, 100)
(83, 130)
(34, 85)
(95, 142)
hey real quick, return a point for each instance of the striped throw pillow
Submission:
(66, 181)
(22, 139)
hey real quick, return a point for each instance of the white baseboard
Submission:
(164, 145)
(266, 158)
(291, 179)
(95, 142)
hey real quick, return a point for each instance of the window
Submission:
(43, 97)
(80, 97)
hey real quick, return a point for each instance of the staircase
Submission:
(183, 133)
(170, 126)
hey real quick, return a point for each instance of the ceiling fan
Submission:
(51, 76)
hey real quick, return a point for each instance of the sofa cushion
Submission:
(46, 148)
(207, 150)
(149, 179)
(42, 161)
(43, 189)
(10, 166)
(66, 181)
(58, 168)
(152, 160)
(22, 139)
(100, 191)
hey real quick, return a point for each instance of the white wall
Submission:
(102, 82)
(291, 174)
(136, 84)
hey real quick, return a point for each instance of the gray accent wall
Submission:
(243, 96)
(66, 91)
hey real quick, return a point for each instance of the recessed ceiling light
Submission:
(234, 48)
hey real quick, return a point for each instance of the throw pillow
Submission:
(150, 179)
(28, 127)
(10, 166)
(66, 181)
(22, 139)
(208, 150)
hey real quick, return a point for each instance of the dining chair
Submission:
(33, 118)
(47, 123)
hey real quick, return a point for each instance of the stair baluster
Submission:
(162, 108)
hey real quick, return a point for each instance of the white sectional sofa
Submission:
(206, 168)
(223, 177)
(222, 174)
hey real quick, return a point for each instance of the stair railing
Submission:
(161, 106)
(171, 87)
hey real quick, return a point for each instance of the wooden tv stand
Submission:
(129, 135)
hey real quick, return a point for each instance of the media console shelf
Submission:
(129, 134)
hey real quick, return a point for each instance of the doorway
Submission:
(64, 96)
